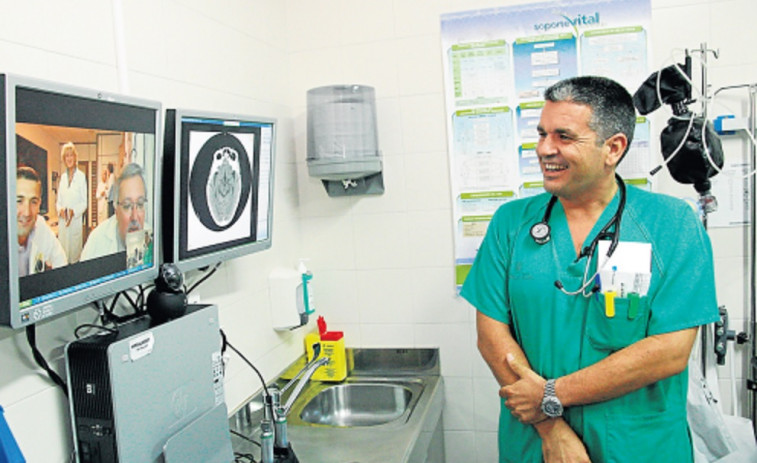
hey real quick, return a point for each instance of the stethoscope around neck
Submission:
(541, 233)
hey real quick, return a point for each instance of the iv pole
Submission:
(702, 200)
(751, 242)
(708, 204)
(752, 328)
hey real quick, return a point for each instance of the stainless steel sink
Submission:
(359, 403)
(399, 391)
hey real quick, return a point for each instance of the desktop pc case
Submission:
(150, 393)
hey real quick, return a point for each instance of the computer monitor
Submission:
(218, 186)
(82, 166)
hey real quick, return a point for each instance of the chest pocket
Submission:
(628, 325)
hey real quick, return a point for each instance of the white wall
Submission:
(383, 265)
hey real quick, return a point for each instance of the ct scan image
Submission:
(220, 183)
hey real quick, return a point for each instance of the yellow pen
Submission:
(610, 304)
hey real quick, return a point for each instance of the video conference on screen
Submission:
(99, 207)
(80, 200)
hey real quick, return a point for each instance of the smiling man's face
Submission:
(571, 156)
(28, 199)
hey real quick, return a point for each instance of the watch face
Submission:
(540, 232)
(552, 407)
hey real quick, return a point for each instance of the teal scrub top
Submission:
(513, 281)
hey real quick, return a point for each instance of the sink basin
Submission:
(394, 396)
(361, 404)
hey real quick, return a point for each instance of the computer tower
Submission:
(133, 391)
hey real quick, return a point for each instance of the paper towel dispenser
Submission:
(343, 141)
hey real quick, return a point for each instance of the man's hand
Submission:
(560, 444)
(524, 396)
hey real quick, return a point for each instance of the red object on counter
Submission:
(328, 335)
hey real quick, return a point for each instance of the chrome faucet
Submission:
(279, 412)
(306, 373)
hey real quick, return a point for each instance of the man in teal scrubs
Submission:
(587, 374)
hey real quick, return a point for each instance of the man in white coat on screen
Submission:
(38, 248)
(130, 196)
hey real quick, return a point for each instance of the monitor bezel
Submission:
(173, 198)
(10, 314)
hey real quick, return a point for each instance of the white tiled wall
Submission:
(383, 265)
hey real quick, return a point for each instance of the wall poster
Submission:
(497, 64)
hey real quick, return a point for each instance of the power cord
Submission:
(267, 396)
(31, 337)
(107, 316)
(204, 278)
(239, 434)
(244, 458)
(142, 299)
(93, 326)
(226, 343)
(133, 304)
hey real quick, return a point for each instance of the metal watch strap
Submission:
(550, 404)
(549, 388)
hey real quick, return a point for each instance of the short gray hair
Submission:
(129, 171)
(611, 105)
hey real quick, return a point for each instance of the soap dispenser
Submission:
(291, 296)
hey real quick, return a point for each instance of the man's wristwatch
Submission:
(550, 404)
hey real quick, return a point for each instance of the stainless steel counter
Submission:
(414, 437)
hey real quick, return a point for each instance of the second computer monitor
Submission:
(218, 181)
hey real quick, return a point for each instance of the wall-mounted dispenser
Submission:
(291, 297)
(343, 141)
